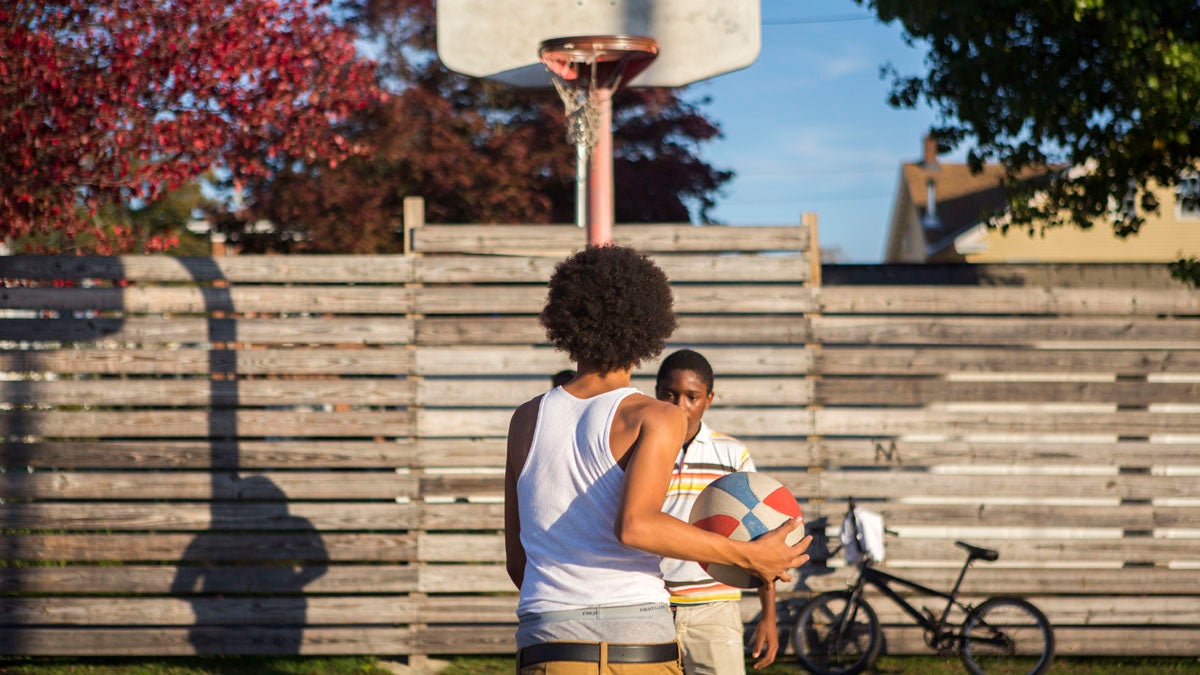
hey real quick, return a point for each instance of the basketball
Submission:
(743, 506)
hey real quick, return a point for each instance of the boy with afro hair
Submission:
(587, 469)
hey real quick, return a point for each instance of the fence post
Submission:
(414, 217)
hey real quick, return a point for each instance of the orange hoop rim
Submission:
(611, 58)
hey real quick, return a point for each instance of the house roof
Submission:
(964, 198)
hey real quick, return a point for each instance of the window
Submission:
(1187, 197)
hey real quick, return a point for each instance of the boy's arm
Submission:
(520, 437)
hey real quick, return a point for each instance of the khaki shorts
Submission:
(710, 636)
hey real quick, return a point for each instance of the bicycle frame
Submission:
(936, 635)
(935, 627)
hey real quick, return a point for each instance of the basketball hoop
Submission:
(585, 68)
(586, 71)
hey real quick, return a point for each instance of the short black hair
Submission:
(686, 359)
(609, 306)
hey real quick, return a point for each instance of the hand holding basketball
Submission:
(779, 556)
(755, 508)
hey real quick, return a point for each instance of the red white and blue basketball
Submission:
(743, 506)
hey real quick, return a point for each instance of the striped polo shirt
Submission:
(709, 456)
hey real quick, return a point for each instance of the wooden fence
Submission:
(304, 454)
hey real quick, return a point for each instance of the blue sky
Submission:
(808, 128)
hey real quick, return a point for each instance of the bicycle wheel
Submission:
(1007, 635)
(834, 636)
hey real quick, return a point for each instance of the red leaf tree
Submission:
(477, 151)
(120, 101)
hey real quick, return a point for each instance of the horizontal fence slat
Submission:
(210, 611)
(441, 269)
(192, 330)
(693, 299)
(268, 300)
(204, 392)
(893, 452)
(193, 485)
(220, 454)
(1029, 331)
(692, 330)
(912, 391)
(259, 547)
(564, 239)
(341, 360)
(159, 579)
(208, 640)
(241, 268)
(734, 421)
(246, 454)
(201, 423)
(1013, 551)
(1106, 359)
(897, 421)
(997, 486)
(1072, 641)
(1007, 300)
(263, 516)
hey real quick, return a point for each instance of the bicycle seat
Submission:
(979, 552)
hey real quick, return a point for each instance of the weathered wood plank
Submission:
(509, 392)
(913, 391)
(692, 330)
(243, 454)
(199, 300)
(560, 240)
(729, 361)
(159, 579)
(223, 611)
(1014, 550)
(983, 579)
(273, 269)
(880, 452)
(897, 421)
(1008, 300)
(991, 485)
(204, 392)
(217, 547)
(735, 421)
(211, 640)
(1029, 331)
(690, 299)
(192, 330)
(1110, 359)
(1075, 611)
(201, 423)
(341, 360)
(442, 269)
(266, 516)
(195, 485)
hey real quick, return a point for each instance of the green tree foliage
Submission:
(477, 151)
(1109, 88)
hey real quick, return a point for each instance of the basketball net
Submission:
(583, 113)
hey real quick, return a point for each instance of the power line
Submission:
(835, 18)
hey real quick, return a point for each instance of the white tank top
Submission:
(567, 494)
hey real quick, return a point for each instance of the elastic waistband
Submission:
(597, 613)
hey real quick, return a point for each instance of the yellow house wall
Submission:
(1162, 238)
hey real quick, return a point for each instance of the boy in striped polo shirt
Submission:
(708, 621)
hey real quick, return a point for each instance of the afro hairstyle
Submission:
(610, 307)
(688, 360)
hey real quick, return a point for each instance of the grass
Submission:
(474, 665)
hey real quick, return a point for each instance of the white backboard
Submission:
(697, 39)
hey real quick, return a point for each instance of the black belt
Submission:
(589, 652)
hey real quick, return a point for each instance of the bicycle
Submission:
(838, 632)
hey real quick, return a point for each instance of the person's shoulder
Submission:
(650, 409)
(728, 444)
(527, 412)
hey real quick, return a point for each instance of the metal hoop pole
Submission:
(600, 176)
(581, 183)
